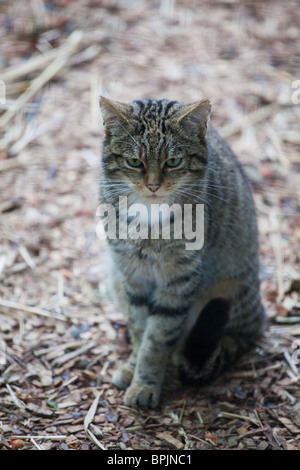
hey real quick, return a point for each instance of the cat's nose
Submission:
(153, 187)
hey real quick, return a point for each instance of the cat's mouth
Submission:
(154, 198)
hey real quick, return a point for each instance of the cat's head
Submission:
(156, 147)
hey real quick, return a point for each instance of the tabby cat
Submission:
(199, 308)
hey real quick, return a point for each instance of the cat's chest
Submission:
(155, 262)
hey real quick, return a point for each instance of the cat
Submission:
(200, 309)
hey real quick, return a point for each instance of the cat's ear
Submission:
(114, 112)
(194, 116)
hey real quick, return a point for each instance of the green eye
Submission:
(135, 162)
(173, 162)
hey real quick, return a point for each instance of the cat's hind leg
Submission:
(213, 345)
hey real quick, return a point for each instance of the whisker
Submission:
(130, 135)
(184, 194)
(209, 185)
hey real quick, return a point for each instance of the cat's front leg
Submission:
(160, 337)
(136, 300)
(136, 325)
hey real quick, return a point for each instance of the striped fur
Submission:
(200, 308)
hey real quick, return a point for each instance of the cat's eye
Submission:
(173, 162)
(134, 162)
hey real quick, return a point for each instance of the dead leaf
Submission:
(15, 443)
(211, 438)
(243, 428)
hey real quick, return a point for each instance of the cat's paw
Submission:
(122, 377)
(141, 395)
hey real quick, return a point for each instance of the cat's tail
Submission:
(211, 347)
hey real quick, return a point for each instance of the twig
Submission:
(92, 410)
(68, 356)
(290, 320)
(266, 369)
(257, 116)
(134, 428)
(200, 418)
(26, 257)
(35, 310)
(277, 144)
(58, 438)
(290, 136)
(203, 441)
(36, 444)
(88, 420)
(61, 386)
(56, 348)
(31, 133)
(104, 368)
(53, 69)
(226, 414)
(2, 257)
(290, 362)
(87, 54)
(31, 65)
(251, 374)
(253, 432)
(293, 377)
(36, 63)
(60, 287)
(17, 402)
(7, 206)
(258, 418)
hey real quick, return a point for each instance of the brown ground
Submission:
(242, 55)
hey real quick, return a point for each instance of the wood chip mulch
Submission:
(61, 337)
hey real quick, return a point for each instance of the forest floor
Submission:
(61, 337)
